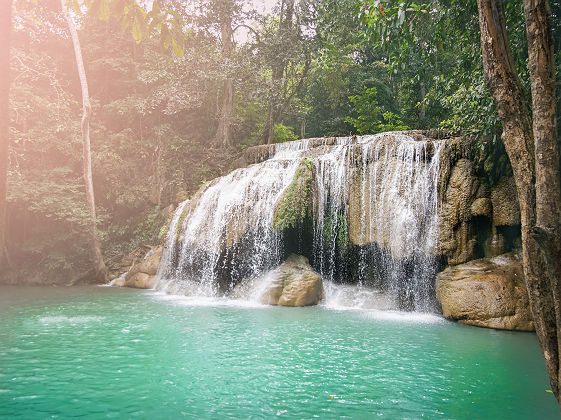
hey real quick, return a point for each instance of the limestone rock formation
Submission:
(482, 207)
(456, 211)
(143, 274)
(505, 203)
(471, 212)
(294, 283)
(486, 293)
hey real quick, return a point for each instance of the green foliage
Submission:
(472, 109)
(295, 204)
(370, 117)
(149, 229)
(283, 133)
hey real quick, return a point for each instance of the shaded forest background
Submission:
(309, 68)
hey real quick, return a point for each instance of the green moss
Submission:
(180, 223)
(163, 231)
(340, 231)
(295, 204)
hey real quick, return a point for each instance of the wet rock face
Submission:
(486, 293)
(294, 283)
(455, 234)
(143, 274)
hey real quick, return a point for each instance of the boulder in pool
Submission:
(486, 293)
(293, 283)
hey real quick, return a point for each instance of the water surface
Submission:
(118, 353)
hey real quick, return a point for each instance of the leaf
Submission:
(177, 50)
(165, 37)
(125, 24)
(401, 16)
(76, 7)
(136, 32)
(103, 12)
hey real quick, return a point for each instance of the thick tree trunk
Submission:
(518, 136)
(100, 271)
(5, 29)
(547, 231)
(224, 131)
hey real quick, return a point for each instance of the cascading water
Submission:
(382, 195)
(225, 234)
(374, 222)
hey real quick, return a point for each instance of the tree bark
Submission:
(524, 147)
(224, 131)
(547, 231)
(5, 29)
(100, 270)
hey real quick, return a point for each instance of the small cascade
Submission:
(374, 223)
(224, 234)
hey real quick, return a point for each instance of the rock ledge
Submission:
(486, 293)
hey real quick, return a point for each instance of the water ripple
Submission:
(121, 354)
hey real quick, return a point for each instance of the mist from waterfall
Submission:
(375, 222)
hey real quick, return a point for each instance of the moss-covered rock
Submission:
(336, 230)
(296, 202)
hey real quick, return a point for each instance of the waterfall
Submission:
(374, 221)
(226, 230)
(383, 193)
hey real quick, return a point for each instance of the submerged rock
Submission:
(143, 274)
(486, 293)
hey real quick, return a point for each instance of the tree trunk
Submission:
(518, 136)
(5, 29)
(224, 131)
(547, 231)
(100, 270)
